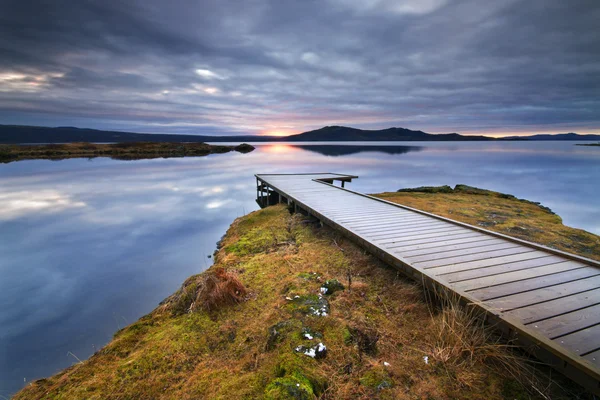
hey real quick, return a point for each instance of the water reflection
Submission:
(345, 150)
(90, 246)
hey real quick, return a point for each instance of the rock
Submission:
(309, 334)
(278, 332)
(311, 304)
(331, 286)
(317, 351)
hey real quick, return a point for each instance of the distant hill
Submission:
(558, 136)
(342, 133)
(40, 134)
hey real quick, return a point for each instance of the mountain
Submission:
(342, 133)
(40, 134)
(67, 134)
(558, 136)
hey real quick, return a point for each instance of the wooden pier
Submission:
(547, 300)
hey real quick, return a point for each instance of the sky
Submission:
(279, 67)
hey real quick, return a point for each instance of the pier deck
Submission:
(547, 300)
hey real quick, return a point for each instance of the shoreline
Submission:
(117, 151)
(272, 331)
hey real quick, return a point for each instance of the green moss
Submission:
(295, 386)
(377, 378)
(310, 304)
(309, 276)
(347, 336)
(278, 332)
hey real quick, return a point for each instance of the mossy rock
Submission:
(331, 286)
(311, 304)
(278, 332)
(295, 386)
(309, 334)
(309, 276)
(317, 351)
(377, 378)
(294, 382)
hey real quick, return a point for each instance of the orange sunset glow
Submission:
(277, 132)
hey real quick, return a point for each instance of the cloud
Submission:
(15, 204)
(216, 67)
(208, 74)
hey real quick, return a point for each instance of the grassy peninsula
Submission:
(588, 144)
(118, 151)
(292, 310)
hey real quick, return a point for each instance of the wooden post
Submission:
(342, 183)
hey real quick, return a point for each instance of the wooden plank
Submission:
(477, 264)
(501, 269)
(583, 341)
(523, 286)
(446, 244)
(594, 357)
(403, 231)
(386, 218)
(360, 215)
(480, 282)
(447, 233)
(518, 300)
(567, 323)
(390, 227)
(357, 218)
(382, 222)
(465, 247)
(458, 260)
(549, 309)
(400, 234)
(460, 252)
(395, 243)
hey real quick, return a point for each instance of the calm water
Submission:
(87, 247)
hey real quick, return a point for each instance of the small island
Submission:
(588, 144)
(293, 310)
(117, 151)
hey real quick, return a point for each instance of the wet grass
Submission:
(377, 331)
(119, 151)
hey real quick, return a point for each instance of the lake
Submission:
(89, 246)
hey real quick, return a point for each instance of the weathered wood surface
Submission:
(549, 298)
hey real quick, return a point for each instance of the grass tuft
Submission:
(211, 291)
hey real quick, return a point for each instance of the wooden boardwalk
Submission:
(545, 299)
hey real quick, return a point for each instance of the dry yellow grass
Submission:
(377, 332)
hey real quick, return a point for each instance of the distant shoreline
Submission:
(14, 134)
(118, 151)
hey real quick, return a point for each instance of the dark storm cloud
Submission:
(258, 65)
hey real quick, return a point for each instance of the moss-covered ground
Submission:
(372, 333)
(119, 151)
